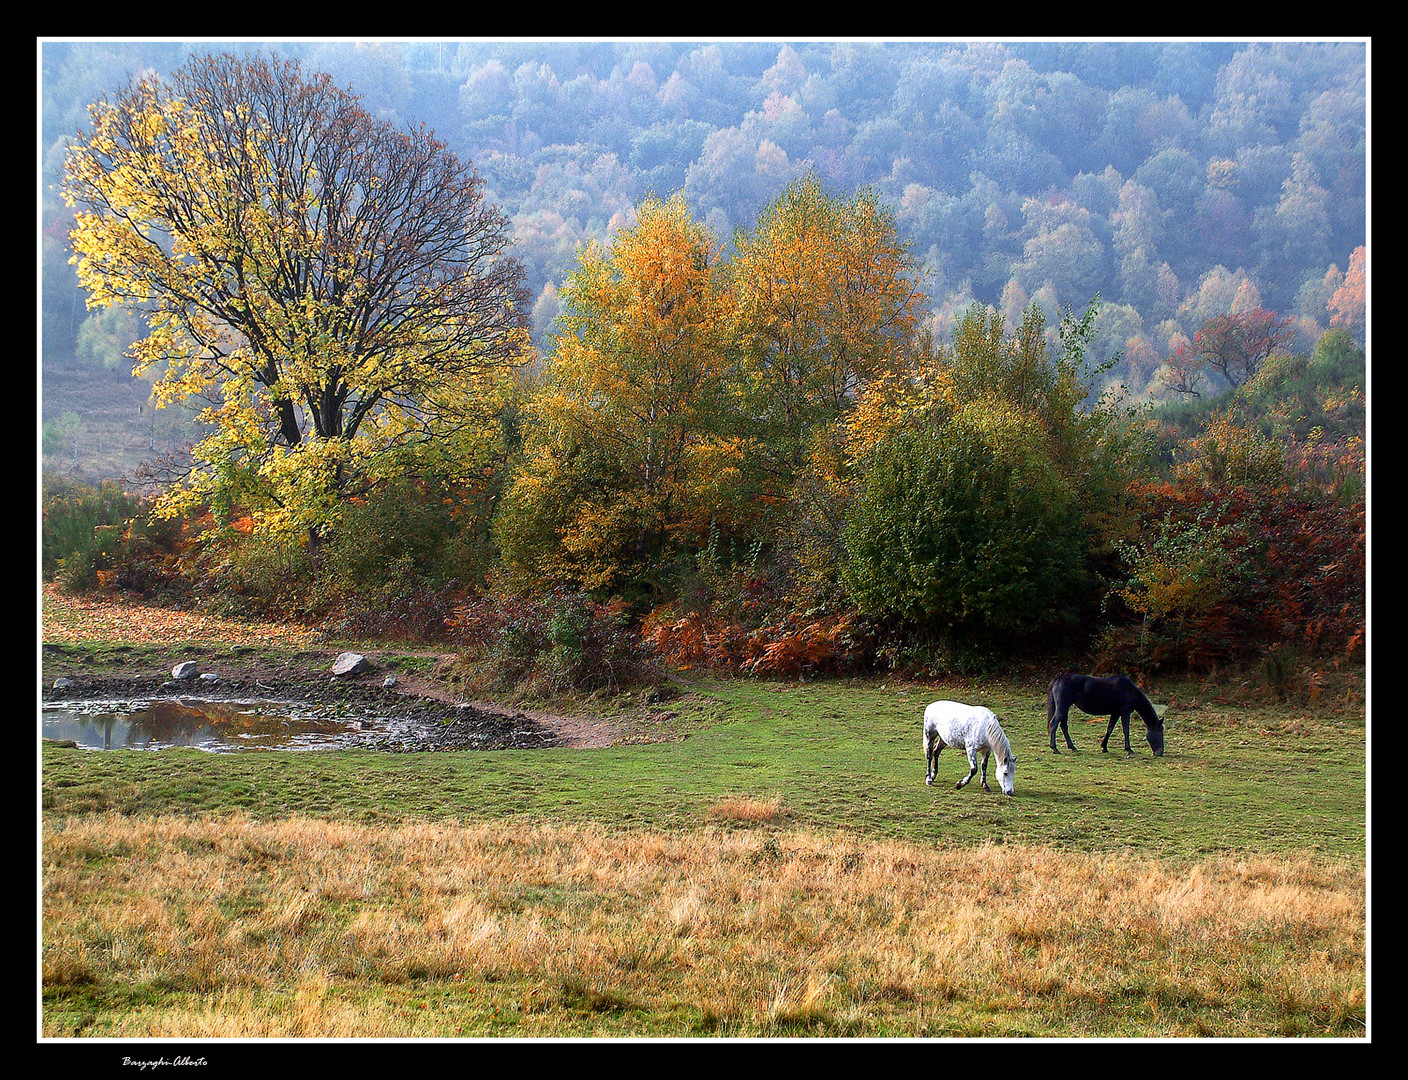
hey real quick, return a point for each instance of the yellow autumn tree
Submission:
(631, 453)
(826, 302)
(334, 288)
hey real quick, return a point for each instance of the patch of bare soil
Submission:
(556, 728)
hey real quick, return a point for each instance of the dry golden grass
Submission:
(177, 928)
(743, 808)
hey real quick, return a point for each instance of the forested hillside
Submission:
(779, 357)
(1177, 181)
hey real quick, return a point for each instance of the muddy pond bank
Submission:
(324, 714)
(118, 648)
(419, 712)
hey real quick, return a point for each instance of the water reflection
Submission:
(205, 725)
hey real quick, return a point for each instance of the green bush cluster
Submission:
(392, 564)
(958, 533)
(562, 643)
(93, 535)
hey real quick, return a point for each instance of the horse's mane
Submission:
(1145, 708)
(999, 740)
(1142, 705)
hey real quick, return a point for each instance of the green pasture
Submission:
(1240, 773)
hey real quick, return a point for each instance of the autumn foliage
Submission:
(1349, 305)
(1223, 573)
(741, 454)
(795, 644)
(330, 288)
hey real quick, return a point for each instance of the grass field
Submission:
(778, 868)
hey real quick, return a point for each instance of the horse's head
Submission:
(1006, 771)
(1155, 734)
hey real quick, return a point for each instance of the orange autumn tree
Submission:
(827, 306)
(1349, 304)
(630, 455)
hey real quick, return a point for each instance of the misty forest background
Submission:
(1157, 190)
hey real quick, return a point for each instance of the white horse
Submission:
(976, 730)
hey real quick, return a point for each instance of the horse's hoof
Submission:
(929, 781)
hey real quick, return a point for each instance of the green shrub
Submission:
(107, 538)
(390, 566)
(402, 601)
(964, 529)
(565, 642)
(76, 573)
(257, 572)
(396, 560)
(79, 529)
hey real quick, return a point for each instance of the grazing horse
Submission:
(1115, 696)
(976, 730)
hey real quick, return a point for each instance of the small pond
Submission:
(216, 726)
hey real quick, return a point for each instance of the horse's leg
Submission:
(1059, 719)
(931, 759)
(1125, 721)
(985, 771)
(1105, 742)
(972, 768)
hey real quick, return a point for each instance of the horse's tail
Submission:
(1051, 700)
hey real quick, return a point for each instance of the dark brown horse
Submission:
(1115, 696)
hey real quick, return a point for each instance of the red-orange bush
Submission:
(791, 645)
(1287, 569)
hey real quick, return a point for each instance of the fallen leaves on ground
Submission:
(115, 618)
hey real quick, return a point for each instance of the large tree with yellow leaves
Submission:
(334, 288)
